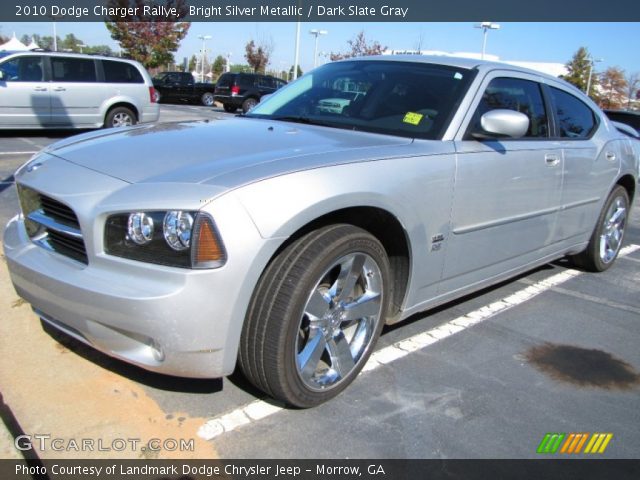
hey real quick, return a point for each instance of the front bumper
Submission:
(169, 320)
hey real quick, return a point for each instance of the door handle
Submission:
(40, 89)
(59, 89)
(610, 156)
(551, 159)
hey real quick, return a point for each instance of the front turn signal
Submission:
(207, 250)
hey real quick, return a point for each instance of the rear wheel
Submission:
(248, 104)
(229, 108)
(315, 315)
(207, 99)
(608, 235)
(120, 117)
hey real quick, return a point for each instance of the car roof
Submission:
(456, 62)
(67, 54)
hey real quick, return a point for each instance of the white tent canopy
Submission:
(14, 44)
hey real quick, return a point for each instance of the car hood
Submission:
(224, 152)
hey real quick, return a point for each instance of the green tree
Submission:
(70, 42)
(193, 62)
(290, 77)
(149, 40)
(359, 47)
(578, 72)
(218, 65)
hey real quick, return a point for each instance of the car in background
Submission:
(244, 90)
(40, 89)
(627, 117)
(181, 87)
(283, 240)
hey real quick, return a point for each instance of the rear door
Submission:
(75, 98)
(590, 163)
(507, 191)
(24, 93)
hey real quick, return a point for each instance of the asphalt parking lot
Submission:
(555, 350)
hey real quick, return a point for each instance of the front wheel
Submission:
(207, 99)
(316, 315)
(608, 235)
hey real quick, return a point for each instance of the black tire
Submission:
(606, 239)
(229, 108)
(120, 117)
(279, 332)
(248, 104)
(207, 99)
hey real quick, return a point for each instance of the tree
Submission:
(359, 48)
(291, 73)
(193, 63)
(147, 39)
(578, 71)
(257, 56)
(614, 87)
(633, 81)
(218, 65)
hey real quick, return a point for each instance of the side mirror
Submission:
(502, 123)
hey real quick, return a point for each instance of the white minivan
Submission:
(41, 89)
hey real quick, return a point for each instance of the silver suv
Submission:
(61, 90)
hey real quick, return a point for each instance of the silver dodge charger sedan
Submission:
(284, 239)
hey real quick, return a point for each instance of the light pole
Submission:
(227, 66)
(316, 33)
(204, 38)
(485, 26)
(591, 62)
(297, 55)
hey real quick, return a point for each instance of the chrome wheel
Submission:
(613, 229)
(121, 119)
(207, 99)
(339, 321)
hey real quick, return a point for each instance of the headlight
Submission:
(175, 238)
(177, 229)
(140, 228)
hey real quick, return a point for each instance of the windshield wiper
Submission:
(294, 119)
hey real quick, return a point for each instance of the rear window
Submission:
(73, 70)
(226, 80)
(576, 120)
(121, 72)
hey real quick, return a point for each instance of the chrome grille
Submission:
(52, 224)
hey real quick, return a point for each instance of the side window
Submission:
(266, 82)
(121, 72)
(575, 118)
(22, 69)
(73, 70)
(523, 96)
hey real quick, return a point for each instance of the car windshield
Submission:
(408, 99)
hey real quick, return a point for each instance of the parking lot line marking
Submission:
(261, 409)
(19, 153)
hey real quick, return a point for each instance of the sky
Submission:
(615, 43)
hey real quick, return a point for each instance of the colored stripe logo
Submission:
(573, 443)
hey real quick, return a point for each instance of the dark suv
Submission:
(235, 90)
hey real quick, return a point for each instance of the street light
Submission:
(591, 62)
(316, 33)
(228, 64)
(296, 58)
(204, 38)
(485, 26)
